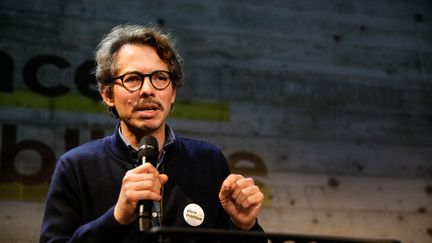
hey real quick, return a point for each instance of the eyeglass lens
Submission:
(159, 79)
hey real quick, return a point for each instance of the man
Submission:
(97, 186)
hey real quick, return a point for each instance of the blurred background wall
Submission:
(327, 104)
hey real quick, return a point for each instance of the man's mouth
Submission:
(149, 106)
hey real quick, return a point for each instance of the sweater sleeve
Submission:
(63, 220)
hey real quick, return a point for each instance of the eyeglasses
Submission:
(133, 81)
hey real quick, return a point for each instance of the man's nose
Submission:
(147, 88)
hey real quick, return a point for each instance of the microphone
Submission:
(147, 153)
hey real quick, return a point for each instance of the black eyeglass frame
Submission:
(143, 76)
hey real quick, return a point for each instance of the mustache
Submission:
(148, 103)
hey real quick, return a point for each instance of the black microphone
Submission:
(147, 153)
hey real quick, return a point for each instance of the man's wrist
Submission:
(244, 226)
(119, 217)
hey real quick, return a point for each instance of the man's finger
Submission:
(163, 178)
(245, 193)
(240, 184)
(227, 185)
(231, 179)
(253, 199)
(146, 168)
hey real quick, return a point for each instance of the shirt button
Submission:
(154, 214)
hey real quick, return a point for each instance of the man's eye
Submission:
(161, 77)
(131, 78)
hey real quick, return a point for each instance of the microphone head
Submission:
(149, 149)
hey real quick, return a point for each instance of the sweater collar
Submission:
(124, 150)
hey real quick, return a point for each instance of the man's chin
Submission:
(144, 126)
(147, 128)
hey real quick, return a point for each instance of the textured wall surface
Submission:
(329, 104)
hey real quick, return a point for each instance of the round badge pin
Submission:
(193, 214)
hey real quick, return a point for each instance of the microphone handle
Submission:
(144, 210)
(144, 215)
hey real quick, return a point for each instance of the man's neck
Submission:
(133, 138)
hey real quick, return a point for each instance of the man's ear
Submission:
(107, 95)
(173, 97)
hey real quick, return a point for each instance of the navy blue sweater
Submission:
(87, 180)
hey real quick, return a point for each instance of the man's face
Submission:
(143, 111)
